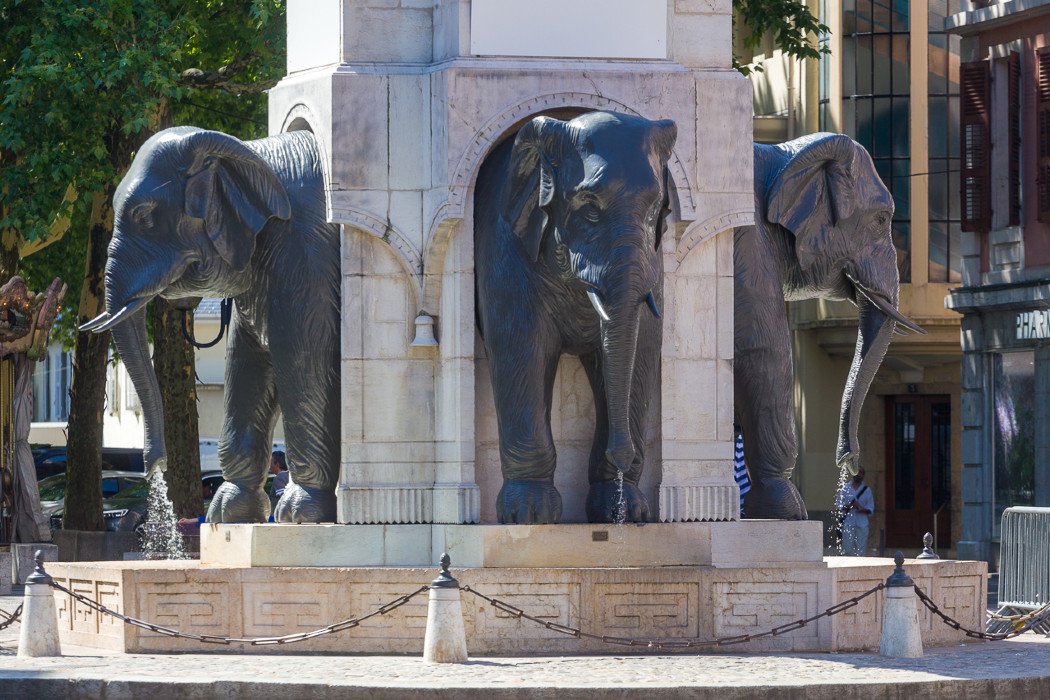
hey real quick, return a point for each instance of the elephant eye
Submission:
(142, 214)
(591, 212)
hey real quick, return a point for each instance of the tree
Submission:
(83, 86)
(789, 21)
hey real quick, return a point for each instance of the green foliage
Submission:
(790, 23)
(82, 84)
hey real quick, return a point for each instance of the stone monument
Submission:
(406, 99)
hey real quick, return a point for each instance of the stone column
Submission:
(1042, 426)
(975, 530)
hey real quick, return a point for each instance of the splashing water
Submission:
(620, 514)
(161, 538)
(837, 514)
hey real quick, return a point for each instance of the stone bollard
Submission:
(39, 634)
(901, 637)
(445, 641)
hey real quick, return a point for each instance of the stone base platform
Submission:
(767, 543)
(654, 602)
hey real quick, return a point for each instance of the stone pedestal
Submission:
(407, 99)
(759, 543)
(5, 571)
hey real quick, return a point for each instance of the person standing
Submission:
(279, 468)
(855, 504)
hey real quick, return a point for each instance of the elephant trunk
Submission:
(874, 333)
(130, 337)
(619, 344)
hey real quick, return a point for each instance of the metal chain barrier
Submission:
(1021, 617)
(1031, 620)
(253, 641)
(662, 644)
(7, 619)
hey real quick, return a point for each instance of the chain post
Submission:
(927, 548)
(445, 641)
(901, 635)
(39, 633)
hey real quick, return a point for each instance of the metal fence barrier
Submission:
(1024, 568)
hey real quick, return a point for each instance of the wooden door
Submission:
(918, 470)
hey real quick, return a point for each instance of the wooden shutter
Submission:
(1042, 179)
(1014, 89)
(974, 131)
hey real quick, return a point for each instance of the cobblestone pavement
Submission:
(1014, 668)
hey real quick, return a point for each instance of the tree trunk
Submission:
(87, 396)
(173, 363)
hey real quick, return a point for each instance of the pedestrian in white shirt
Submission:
(855, 504)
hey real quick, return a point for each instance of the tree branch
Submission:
(223, 78)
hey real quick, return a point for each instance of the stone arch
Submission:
(699, 232)
(491, 132)
(449, 216)
(301, 117)
(404, 251)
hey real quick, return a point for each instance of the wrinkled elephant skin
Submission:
(201, 213)
(823, 230)
(568, 219)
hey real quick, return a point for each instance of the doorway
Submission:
(918, 470)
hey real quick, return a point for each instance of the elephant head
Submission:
(186, 218)
(830, 198)
(591, 195)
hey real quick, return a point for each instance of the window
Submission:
(1014, 422)
(51, 380)
(875, 111)
(945, 224)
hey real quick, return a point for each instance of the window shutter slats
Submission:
(974, 131)
(1015, 138)
(1042, 108)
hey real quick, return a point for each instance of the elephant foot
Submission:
(301, 504)
(235, 503)
(528, 502)
(607, 502)
(774, 499)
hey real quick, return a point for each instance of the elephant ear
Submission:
(234, 190)
(662, 138)
(813, 192)
(529, 189)
(665, 210)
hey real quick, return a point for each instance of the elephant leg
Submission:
(610, 498)
(763, 381)
(247, 432)
(522, 375)
(308, 387)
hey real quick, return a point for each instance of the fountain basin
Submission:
(662, 602)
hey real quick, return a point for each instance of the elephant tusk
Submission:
(651, 301)
(596, 302)
(121, 316)
(94, 323)
(885, 307)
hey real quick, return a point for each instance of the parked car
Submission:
(52, 460)
(127, 510)
(133, 497)
(53, 488)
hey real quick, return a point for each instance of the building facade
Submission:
(1005, 292)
